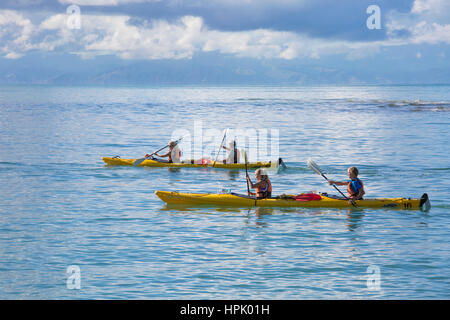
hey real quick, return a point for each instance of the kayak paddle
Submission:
(218, 151)
(313, 166)
(139, 161)
(246, 171)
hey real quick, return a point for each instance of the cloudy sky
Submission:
(296, 41)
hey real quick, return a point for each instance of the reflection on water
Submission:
(260, 211)
(204, 209)
(233, 174)
(354, 216)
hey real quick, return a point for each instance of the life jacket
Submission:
(354, 186)
(266, 192)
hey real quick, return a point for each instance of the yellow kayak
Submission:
(238, 200)
(152, 163)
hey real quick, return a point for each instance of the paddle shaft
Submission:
(139, 161)
(317, 170)
(346, 198)
(166, 146)
(246, 172)
(218, 151)
(158, 151)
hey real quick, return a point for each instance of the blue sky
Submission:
(286, 41)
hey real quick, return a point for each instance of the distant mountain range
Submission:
(211, 69)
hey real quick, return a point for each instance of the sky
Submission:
(295, 42)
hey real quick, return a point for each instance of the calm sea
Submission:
(62, 209)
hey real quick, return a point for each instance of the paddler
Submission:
(263, 188)
(355, 187)
(233, 153)
(173, 155)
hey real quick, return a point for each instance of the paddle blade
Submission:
(246, 171)
(221, 144)
(313, 166)
(139, 161)
(244, 153)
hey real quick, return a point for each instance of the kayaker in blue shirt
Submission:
(355, 187)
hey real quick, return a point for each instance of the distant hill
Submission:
(211, 69)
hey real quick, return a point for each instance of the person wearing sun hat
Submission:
(173, 155)
(263, 186)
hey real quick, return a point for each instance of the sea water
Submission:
(73, 228)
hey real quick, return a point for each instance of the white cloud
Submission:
(102, 2)
(431, 33)
(159, 39)
(13, 55)
(422, 5)
(434, 7)
(236, 3)
(426, 23)
(15, 34)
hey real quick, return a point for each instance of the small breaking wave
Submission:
(412, 105)
(355, 104)
(438, 105)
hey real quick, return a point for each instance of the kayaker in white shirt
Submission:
(233, 154)
(173, 155)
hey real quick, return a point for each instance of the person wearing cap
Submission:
(173, 155)
(233, 153)
(263, 186)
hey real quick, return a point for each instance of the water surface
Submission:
(61, 206)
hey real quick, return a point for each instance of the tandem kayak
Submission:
(302, 200)
(116, 161)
